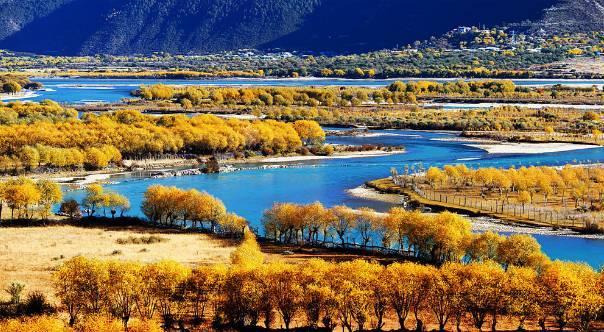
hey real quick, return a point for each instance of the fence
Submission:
(564, 217)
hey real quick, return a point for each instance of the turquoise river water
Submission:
(250, 192)
(83, 90)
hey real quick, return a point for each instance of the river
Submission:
(250, 192)
(86, 90)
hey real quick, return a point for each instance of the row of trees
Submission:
(355, 295)
(170, 205)
(499, 120)
(395, 93)
(584, 185)
(96, 141)
(33, 157)
(269, 96)
(28, 199)
(440, 238)
(95, 200)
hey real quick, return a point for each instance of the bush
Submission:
(37, 324)
(144, 326)
(99, 323)
(141, 240)
(36, 304)
(14, 290)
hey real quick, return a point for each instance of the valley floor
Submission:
(29, 255)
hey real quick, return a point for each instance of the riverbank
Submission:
(339, 155)
(382, 192)
(365, 192)
(171, 167)
(494, 146)
(387, 186)
(530, 148)
(533, 137)
(18, 95)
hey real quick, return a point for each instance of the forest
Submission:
(61, 140)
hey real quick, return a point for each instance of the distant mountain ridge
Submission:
(70, 27)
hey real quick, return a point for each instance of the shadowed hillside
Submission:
(144, 26)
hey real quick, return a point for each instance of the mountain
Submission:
(69, 27)
(575, 15)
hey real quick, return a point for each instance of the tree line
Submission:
(354, 295)
(171, 206)
(27, 199)
(437, 239)
(395, 93)
(198, 96)
(582, 186)
(512, 121)
(96, 141)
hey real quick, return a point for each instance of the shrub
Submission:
(99, 323)
(36, 324)
(36, 304)
(141, 240)
(14, 290)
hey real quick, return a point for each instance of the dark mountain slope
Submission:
(573, 15)
(386, 23)
(15, 14)
(181, 26)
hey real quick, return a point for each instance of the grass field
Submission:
(29, 255)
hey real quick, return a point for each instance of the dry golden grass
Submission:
(29, 255)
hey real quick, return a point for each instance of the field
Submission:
(29, 255)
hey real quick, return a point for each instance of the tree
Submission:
(435, 176)
(11, 87)
(521, 251)
(71, 208)
(525, 298)
(444, 296)
(79, 284)
(95, 159)
(94, 199)
(352, 282)
(483, 292)
(366, 221)
(597, 134)
(344, 221)
(120, 289)
(310, 132)
(407, 291)
(248, 255)
(116, 201)
(591, 116)
(484, 247)
(167, 282)
(15, 290)
(549, 130)
(523, 198)
(29, 157)
(206, 282)
(285, 290)
(21, 194)
(50, 194)
(562, 287)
